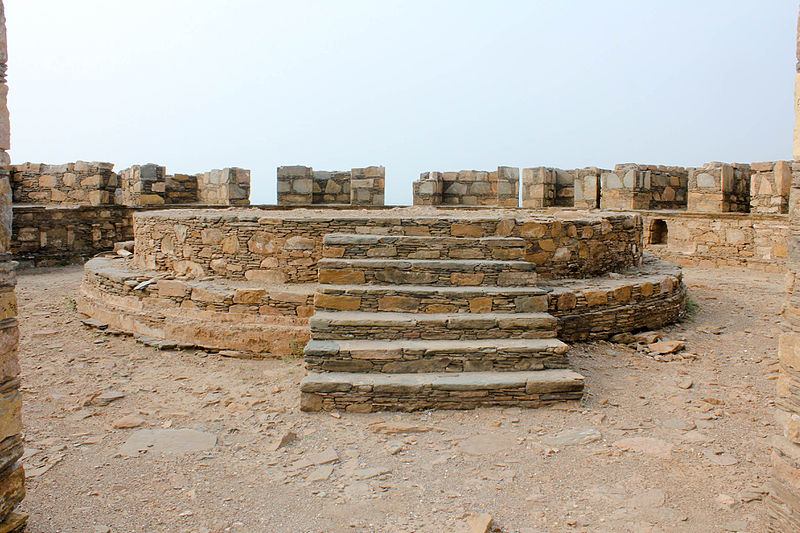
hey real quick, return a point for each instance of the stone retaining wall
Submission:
(647, 297)
(719, 239)
(282, 246)
(50, 235)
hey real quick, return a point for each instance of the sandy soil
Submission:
(674, 445)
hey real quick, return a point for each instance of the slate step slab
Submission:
(413, 356)
(367, 392)
(462, 273)
(433, 326)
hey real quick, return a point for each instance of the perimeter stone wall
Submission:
(96, 184)
(719, 239)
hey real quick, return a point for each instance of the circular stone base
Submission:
(244, 318)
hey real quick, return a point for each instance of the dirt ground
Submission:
(655, 446)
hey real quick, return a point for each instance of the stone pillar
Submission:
(719, 188)
(538, 187)
(428, 189)
(627, 187)
(12, 476)
(295, 185)
(506, 186)
(142, 185)
(367, 186)
(783, 502)
(228, 186)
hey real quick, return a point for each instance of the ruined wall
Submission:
(713, 240)
(180, 189)
(769, 186)
(783, 502)
(278, 247)
(587, 187)
(52, 235)
(331, 187)
(142, 185)
(719, 188)
(469, 187)
(229, 186)
(79, 183)
(12, 475)
(367, 186)
(299, 185)
(632, 186)
(83, 183)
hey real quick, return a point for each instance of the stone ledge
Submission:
(407, 392)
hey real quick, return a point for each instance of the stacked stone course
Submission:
(719, 188)
(142, 185)
(79, 183)
(300, 185)
(12, 475)
(769, 187)
(279, 247)
(229, 186)
(469, 188)
(181, 189)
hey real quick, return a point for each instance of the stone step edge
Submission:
(451, 320)
(543, 386)
(456, 265)
(329, 348)
(344, 239)
(533, 382)
(466, 291)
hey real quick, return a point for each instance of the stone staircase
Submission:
(407, 322)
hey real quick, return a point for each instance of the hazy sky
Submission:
(412, 85)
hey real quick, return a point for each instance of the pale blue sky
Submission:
(412, 85)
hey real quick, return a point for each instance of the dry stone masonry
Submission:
(719, 188)
(469, 187)
(79, 183)
(299, 185)
(12, 475)
(784, 498)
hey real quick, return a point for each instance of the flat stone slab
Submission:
(433, 347)
(322, 319)
(542, 381)
(168, 442)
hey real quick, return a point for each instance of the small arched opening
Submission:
(658, 232)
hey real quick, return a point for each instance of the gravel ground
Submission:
(656, 445)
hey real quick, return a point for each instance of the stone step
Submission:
(327, 325)
(430, 299)
(356, 392)
(347, 245)
(410, 356)
(451, 272)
